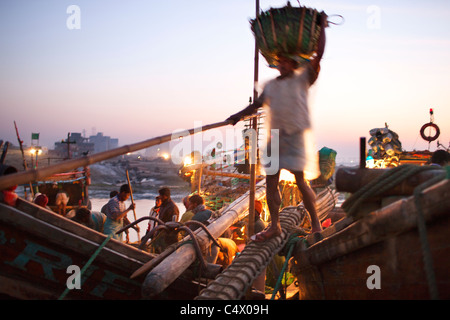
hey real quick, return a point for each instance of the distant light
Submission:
(165, 156)
(36, 151)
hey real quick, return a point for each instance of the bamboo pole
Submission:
(23, 156)
(251, 209)
(41, 173)
(254, 122)
(230, 174)
(132, 202)
(200, 178)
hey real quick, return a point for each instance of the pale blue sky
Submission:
(138, 69)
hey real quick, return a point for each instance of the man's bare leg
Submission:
(273, 202)
(309, 199)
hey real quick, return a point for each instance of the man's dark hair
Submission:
(113, 193)
(82, 214)
(164, 192)
(196, 199)
(125, 188)
(440, 157)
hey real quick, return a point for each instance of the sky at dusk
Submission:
(140, 69)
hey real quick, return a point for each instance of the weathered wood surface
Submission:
(36, 255)
(336, 267)
(353, 179)
(75, 228)
(37, 247)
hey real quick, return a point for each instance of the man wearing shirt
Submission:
(116, 211)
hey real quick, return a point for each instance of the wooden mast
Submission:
(254, 122)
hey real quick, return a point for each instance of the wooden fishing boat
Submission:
(75, 184)
(396, 247)
(38, 246)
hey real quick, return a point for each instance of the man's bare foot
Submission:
(316, 230)
(316, 227)
(266, 234)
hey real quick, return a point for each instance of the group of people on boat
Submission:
(113, 217)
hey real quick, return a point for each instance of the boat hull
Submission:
(36, 257)
(40, 251)
(380, 256)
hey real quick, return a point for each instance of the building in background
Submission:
(103, 143)
(75, 145)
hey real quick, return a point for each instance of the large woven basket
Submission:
(289, 31)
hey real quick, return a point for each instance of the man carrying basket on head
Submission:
(286, 98)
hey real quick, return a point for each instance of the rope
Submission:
(421, 226)
(91, 259)
(294, 239)
(380, 185)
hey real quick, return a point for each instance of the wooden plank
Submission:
(37, 255)
(83, 231)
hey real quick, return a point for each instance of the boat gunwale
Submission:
(344, 241)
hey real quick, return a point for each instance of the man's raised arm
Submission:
(235, 118)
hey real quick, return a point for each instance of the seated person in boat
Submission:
(91, 219)
(168, 211)
(201, 214)
(260, 225)
(440, 158)
(9, 196)
(188, 214)
(224, 255)
(289, 119)
(115, 211)
(41, 200)
(154, 212)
